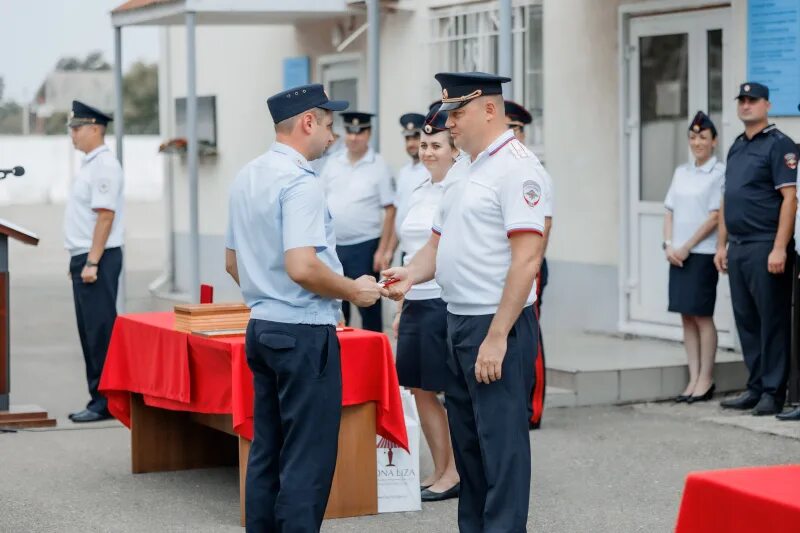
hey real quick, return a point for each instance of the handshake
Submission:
(367, 290)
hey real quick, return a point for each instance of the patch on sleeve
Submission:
(102, 186)
(532, 192)
(791, 160)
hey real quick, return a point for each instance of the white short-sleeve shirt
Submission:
(549, 192)
(98, 185)
(357, 195)
(484, 203)
(693, 194)
(277, 204)
(407, 180)
(416, 231)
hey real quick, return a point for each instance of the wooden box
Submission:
(211, 317)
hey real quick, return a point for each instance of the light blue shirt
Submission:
(277, 203)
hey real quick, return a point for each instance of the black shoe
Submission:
(767, 405)
(794, 414)
(423, 487)
(429, 496)
(681, 398)
(703, 397)
(743, 402)
(90, 416)
(76, 413)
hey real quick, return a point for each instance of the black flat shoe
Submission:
(792, 415)
(430, 496)
(703, 397)
(681, 398)
(423, 487)
(90, 416)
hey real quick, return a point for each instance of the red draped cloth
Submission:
(183, 372)
(741, 500)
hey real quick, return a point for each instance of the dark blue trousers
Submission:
(96, 311)
(298, 405)
(356, 262)
(489, 425)
(762, 307)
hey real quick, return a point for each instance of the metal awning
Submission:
(190, 13)
(224, 12)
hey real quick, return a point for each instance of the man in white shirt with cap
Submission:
(484, 252)
(93, 236)
(358, 187)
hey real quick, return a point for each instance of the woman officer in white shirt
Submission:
(421, 321)
(690, 240)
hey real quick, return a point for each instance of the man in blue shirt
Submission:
(757, 222)
(281, 250)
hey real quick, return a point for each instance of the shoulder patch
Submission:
(531, 192)
(791, 160)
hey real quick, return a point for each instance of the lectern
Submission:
(22, 415)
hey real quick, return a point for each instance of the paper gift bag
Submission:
(398, 470)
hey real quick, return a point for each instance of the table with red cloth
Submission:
(183, 372)
(741, 500)
(171, 371)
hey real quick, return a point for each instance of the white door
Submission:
(676, 66)
(341, 75)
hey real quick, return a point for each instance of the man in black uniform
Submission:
(757, 223)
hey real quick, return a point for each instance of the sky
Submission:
(37, 33)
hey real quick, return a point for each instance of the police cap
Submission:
(701, 122)
(753, 90)
(296, 100)
(459, 88)
(412, 124)
(356, 121)
(83, 114)
(517, 115)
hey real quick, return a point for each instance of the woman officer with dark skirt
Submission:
(421, 321)
(690, 241)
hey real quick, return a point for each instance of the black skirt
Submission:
(422, 345)
(693, 287)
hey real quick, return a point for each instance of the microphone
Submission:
(16, 171)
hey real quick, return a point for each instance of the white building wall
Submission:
(241, 66)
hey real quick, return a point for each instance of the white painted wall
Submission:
(51, 162)
(581, 128)
(242, 67)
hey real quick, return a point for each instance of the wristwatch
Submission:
(91, 263)
(666, 244)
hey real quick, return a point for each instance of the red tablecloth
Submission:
(183, 372)
(741, 500)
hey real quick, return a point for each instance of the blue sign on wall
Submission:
(296, 71)
(773, 51)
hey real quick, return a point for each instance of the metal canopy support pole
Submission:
(119, 129)
(373, 67)
(504, 46)
(5, 326)
(191, 156)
